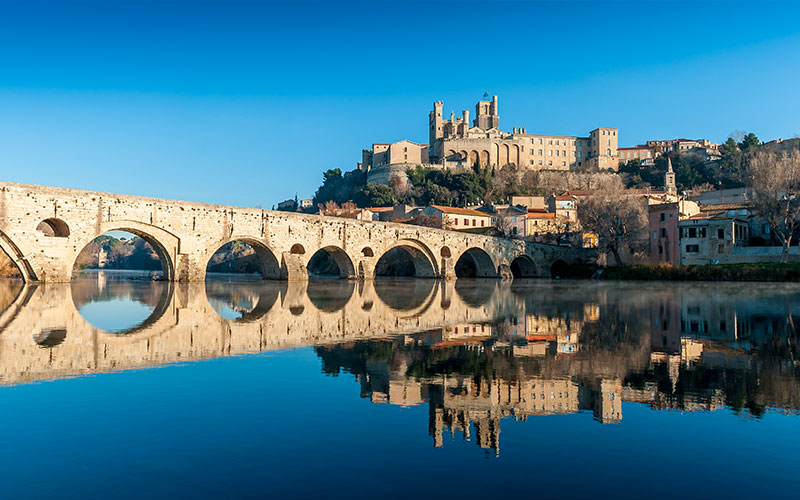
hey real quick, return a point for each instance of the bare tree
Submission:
(402, 188)
(347, 209)
(774, 180)
(503, 224)
(618, 219)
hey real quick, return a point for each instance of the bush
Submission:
(727, 272)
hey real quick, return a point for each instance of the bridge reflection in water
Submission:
(474, 351)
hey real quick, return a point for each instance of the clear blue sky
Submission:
(246, 103)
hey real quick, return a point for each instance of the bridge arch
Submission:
(475, 263)
(165, 244)
(331, 260)
(407, 258)
(559, 268)
(53, 227)
(266, 261)
(16, 256)
(523, 267)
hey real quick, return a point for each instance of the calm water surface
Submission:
(117, 386)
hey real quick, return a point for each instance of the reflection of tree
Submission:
(144, 291)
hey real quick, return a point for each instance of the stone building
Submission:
(454, 142)
(458, 219)
(457, 143)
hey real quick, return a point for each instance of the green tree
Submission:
(729, 147)
(339, 188)
(749, 141)
(731, 164)
(376, 195)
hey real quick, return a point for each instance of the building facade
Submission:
(459, 143)
(458, 219)
(456, 142)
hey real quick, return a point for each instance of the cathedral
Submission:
(457, 143)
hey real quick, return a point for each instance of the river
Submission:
(119, 386)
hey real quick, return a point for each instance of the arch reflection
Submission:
(330, 295)
(241, 300)
(120, 302)
(404, 295)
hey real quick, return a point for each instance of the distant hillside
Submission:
(133, 253)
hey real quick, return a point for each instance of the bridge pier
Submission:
(365, 269)
(448, 268)
(293, 267)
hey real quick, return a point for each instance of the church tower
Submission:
(435, 123)
(669, 179)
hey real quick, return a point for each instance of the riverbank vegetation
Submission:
(726, 272)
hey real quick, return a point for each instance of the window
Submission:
(549, 152)
(721, 248)
(532, 162)
(692, 248)
(456, 222)
(579, 154)
(540, 152)
(564, 143)
(541, 162)
(540, 142)
(550, 163)
(550, 142)
(556, 152)
(563, 153)
(608, 152)
(720, 233)
(466, 222)
(563, 164)
(482, 222)
(692, 232)
(531, 152)
(701, 232)
(663, 218)
(663, 232)
(578, 142)
(474, 222)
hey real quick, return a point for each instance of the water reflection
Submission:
(474, 352)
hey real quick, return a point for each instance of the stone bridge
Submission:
(44, 336)
(43, 229)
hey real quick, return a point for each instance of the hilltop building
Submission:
(457, 143)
